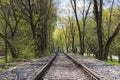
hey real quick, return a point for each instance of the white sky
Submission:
(65, 10)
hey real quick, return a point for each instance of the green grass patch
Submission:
(2, 60)
(114, 62)
(89, 56)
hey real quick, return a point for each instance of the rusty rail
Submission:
(37, 75)
(84, 68)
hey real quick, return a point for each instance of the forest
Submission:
(35, 28)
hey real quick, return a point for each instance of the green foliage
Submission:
(90, 37)
(26, 46)
(28, 51)
(59, 40)
(89, 57)
(2, 60)
(4, 79)
(46, 52)
(115, 20)
(18, 25)
(114, 62)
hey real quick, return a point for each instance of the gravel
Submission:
(25, 70)
(64, 69)
(102, 69)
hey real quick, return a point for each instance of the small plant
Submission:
(12, 75)
(4, 79)
(5, 66)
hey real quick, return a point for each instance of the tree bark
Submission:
(84, 18)
(9, 45)
(74, 6)
(110, 40)
(98, 19)
(109, 24)
(6, 46)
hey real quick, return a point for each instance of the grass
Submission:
(2, 60)
(89, 56)
(4, 65)
(114, 62)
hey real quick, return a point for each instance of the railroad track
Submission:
(63, 67)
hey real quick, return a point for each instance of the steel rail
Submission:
(84, 68)
(37, 75)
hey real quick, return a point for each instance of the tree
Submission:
(6, 11)
(72, 31)
(84, 17)
(98, 19)
(59, 41)
(37, 14)
(74, 6)
(27, 19)
(103, 52)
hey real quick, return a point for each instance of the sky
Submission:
(64, 10)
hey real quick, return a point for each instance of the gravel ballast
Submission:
(64, 69)
(26, 69)
(102, 69)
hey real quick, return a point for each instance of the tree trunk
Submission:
(83, 41)
(72, 31)
(43, 42)
(98, 19)
(110, 40)
(109, 24)
(80, 35)
(74, 6)
(111, 57)
(84, 18)
(5, 39)
(6, 53)
(12, 50)
(73, 46)
(110, 19)
(67, 49)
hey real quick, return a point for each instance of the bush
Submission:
(29, 51)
